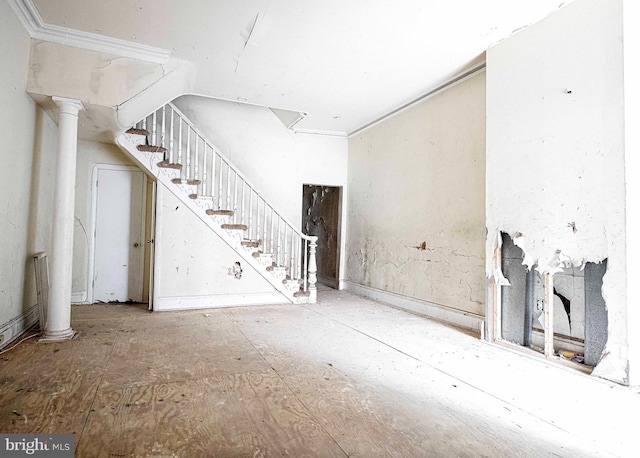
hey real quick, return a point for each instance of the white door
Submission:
(119, 234)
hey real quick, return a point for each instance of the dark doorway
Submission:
(321, 217)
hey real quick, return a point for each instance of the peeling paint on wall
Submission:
(236, 270)
(555, 157)
(416, 200)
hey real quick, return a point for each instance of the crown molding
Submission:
(326, 133)
(459, 78)
(33, 23)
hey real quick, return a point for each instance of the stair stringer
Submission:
(233, 238)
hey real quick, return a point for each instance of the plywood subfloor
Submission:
(344, 377)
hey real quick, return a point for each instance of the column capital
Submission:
(68, 106)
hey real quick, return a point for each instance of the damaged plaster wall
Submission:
(29, 140)
(94, 77)
(89, 154)
(416, 200)
(195, 268)
(555, 163)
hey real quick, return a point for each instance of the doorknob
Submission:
(136, 244)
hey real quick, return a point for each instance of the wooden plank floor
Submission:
(344, 377)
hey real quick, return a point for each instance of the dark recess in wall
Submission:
(320, 217)
(515, 321)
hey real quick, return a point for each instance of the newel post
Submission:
(313, 269)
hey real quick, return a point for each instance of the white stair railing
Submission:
(225, 188)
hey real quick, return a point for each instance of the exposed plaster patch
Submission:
(110, 61)
(236, 270)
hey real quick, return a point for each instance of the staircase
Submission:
(173, 150)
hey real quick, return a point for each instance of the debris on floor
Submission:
(572, 356)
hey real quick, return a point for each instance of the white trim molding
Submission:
(35, 26)
(12, 329)
(79, 298)
(436, 311)
(218, 301)
(457, 79)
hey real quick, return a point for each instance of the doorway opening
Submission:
(119, 257)
(321, 217)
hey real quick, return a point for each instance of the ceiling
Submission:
(342, 63)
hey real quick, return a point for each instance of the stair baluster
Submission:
(171, 137)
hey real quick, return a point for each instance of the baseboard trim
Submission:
(79, 298)
(438, 312)
(14, 328)
(217, 301)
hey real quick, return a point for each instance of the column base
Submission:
(54, 336)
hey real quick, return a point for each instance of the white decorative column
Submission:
(58, 325)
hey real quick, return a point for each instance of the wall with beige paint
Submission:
(29, 139)
(89, 155)
(555, 151)
(416, 200)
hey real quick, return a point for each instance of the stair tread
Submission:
(242, 227)
(220, 212)
(152, 148)
(189, 182)
(169, 165)
(136, 131)
(274, 268)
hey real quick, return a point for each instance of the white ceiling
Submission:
(342, 62)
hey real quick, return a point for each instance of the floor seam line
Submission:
(504, 401)
(95, 395)
(293, 393)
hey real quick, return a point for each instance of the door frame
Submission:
(94, 216)
(152, 201)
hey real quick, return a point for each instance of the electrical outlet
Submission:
(540, 304)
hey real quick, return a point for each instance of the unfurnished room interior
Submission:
(295, 228)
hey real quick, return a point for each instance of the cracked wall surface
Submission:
(416, 200)
(555, 152)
